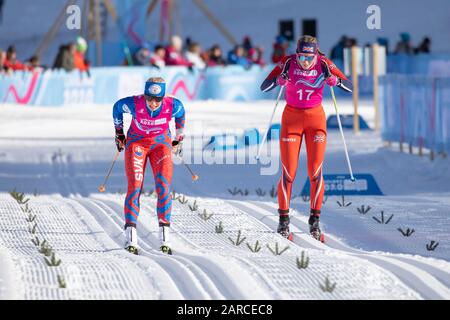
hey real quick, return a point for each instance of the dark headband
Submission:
(307, 47)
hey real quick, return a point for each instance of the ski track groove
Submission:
(212, 271)
(198, 267)
(67, 183)
(186, 280)
(404, 271)
(442, 275)
(87, 276)
(256, 271)
(278, 272)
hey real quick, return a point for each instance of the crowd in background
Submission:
(190, 54)
(9, 62)
(70, 57)
(403, 46)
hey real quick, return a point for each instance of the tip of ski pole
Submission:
(101, 188)
(353, 179)
(195, 177)
(257, 158)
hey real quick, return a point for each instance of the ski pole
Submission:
(194, 176)
(342, 134)
(102, 187)
(270, 123)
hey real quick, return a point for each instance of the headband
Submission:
(307, 47)
(155, 89)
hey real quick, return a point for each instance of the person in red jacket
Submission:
(279, 49)
(174, 54)
(79, 60)
(11, 61)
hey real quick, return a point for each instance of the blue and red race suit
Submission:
(149, 137)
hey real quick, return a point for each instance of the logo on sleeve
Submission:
(126, 109)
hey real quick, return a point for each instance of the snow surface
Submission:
(59, 157)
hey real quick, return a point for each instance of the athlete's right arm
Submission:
(125, 105)
(278, 76)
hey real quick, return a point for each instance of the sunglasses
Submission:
(302, 58)
(150, 98)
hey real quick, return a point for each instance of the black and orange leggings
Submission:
(297, 124)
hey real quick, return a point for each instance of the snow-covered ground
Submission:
(59, 157)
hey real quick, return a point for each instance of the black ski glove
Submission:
(326, 70)
(120, 139)
(177, 146)
(284, 72)
(284, 76)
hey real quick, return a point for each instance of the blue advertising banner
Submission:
(346, 121)
(341, 184)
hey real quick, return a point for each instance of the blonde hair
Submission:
(308, 39)
(156, 79)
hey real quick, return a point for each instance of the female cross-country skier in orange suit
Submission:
(304, 74)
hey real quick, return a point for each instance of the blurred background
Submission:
(56, 53)
(253, 24)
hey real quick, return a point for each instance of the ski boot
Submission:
(164, 239)
(314, 228)
(166, 250)
(131, 236)
(283, 225)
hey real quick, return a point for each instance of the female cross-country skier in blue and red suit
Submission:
(149, 137)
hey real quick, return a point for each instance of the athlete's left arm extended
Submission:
(179, 114)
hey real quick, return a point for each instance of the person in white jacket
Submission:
(193, 56)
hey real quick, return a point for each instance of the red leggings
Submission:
(295, 124)
(159, 151)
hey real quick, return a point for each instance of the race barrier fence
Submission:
(416, 110)
(54, 88)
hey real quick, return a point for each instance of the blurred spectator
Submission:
(404, 45)
(279, 48)
(215, 56)
(79, 61)
(193, 55)
(142, 57)
(174, 55)
(384, 42)
(337, 52)
(34, 64)
(11, 61)
(2, 62)
(236, 56)
(1, 11)
(424, 47)
(256, 56)
(247, 45)
(157, 57)
(64, 58)
(187, 42)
